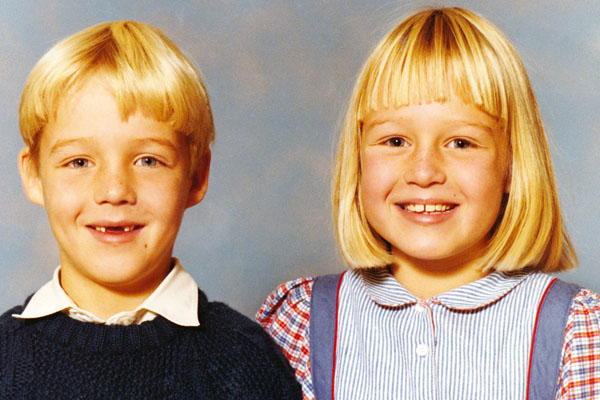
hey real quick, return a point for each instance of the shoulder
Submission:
(8, 323)
(285, 315)
(223, 319)
(586, 300)
(287, 300)
(242, 357)
(581, 347)
(584, 317)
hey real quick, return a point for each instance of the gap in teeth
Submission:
(117, 228)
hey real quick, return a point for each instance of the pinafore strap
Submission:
(323, 333)
(546, 346)
(544, 359)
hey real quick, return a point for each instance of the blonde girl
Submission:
(446, 210)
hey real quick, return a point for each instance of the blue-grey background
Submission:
(279, 74)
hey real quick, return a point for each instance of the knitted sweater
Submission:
(226, 357)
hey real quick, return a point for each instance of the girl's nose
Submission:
(425, 168)
(114, 186)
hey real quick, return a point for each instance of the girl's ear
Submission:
(30, 178)
(199, 181)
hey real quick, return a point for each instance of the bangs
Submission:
(431, 58)
(146, 71)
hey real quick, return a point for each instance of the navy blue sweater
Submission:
(226, 357)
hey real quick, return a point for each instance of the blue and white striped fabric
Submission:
(469, 343)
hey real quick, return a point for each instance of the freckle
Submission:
(145, 245)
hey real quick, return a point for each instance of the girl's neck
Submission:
(431, 278)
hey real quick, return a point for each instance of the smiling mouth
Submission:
(427, 208)
(115, 229)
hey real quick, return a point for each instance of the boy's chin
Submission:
(116, 275)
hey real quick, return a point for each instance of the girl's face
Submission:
(432, 181)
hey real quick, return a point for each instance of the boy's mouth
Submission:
(427, 208)
(115, 229)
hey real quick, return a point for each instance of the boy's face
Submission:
(115, 191)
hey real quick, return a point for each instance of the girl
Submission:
(445, 207)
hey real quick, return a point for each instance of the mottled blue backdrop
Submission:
(279, 74)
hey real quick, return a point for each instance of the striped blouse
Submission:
(469, 343)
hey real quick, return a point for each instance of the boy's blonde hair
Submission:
(431, 56)
(144, 69)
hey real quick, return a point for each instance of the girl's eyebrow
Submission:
(459, 122)
(379, 121)
(483, 126)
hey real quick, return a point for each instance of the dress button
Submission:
(419, 308)
(422, 349)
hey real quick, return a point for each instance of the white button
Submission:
(422, 349)
(419, 308)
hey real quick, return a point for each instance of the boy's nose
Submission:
(425, 169)
(114, 187)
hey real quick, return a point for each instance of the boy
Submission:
(117, 127)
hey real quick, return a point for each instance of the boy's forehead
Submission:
(91, 113)
(84, 97)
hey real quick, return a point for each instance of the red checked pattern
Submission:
(580, 373)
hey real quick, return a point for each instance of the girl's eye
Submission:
(460, 144)
(396, 142)
(79, 163)
(147, 162)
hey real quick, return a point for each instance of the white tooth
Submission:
(429, 208)
(127, 229)
(438, 207)
(419, 207)
(101, 228)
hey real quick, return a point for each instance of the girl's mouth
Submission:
(427, 209)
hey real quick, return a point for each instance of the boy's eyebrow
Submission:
(60, 144)
(159, 141)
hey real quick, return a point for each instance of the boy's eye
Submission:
(396, 142)
(460, 144)
(79, 163)
(147, 162)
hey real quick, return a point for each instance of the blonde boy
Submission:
(117, 127)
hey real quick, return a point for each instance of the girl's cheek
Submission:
(379, 168)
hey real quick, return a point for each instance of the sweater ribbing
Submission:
(227, 357)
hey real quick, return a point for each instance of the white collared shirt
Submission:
(175, 299)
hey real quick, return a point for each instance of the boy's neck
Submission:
(426, 281)
(103, 301)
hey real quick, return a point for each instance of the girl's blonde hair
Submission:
(144, 69)
(431, 56)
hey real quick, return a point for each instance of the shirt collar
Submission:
(175, 299)
(385, 290)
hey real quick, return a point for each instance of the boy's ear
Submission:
(199, 180)
(32, 185)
